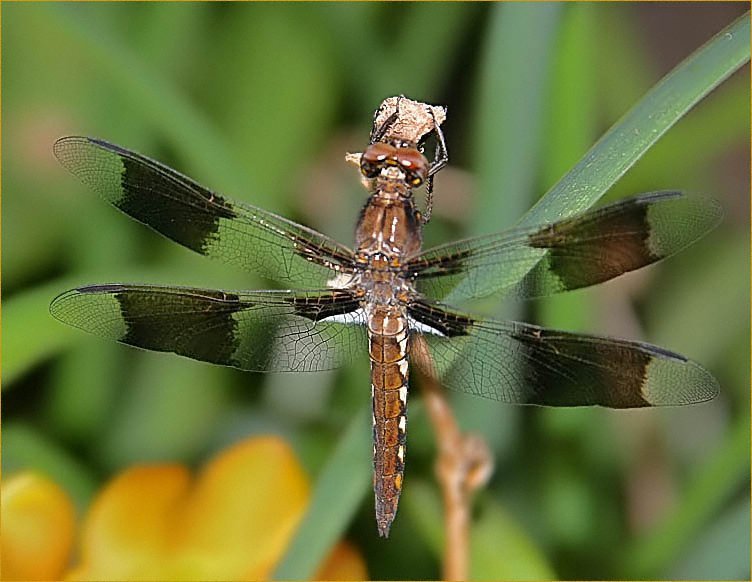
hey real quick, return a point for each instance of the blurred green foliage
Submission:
(260, 101)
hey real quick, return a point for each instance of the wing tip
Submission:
(59, 302)
(694, 383)
(61, 148)
(61, 143)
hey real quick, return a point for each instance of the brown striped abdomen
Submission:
(388, 337)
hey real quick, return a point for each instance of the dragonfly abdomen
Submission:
(388, 337)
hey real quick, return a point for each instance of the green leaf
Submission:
(501, 550)
(696, 144)
(84, 389)
(359, 47)
(509, 123)
(30, 334)
(723, 474)
(715, 554)
(421, 501)
(338, 492)
(624, 144)
(570, 129)
(571, 111)
(349, 26)
(258, 99)
(417, 76)
(624, 63)
(172, 408)
(188, 131)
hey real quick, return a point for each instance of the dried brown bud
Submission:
(414, 119)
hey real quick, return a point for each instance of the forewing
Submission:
(202, 220)
(276, 331)
(519, 363)
(577, 252)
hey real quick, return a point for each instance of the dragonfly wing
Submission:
(201, 220)
(276, 331)
(576, 252)
(519, 363)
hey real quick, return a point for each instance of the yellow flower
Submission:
(232, 522)
(38, 525)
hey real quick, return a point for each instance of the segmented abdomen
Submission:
(388, 338)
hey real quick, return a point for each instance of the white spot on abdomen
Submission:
(402, 342)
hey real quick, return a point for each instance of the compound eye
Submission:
(377, 152)
(414, 164)
(373, 159)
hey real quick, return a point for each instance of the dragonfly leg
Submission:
(440, 159)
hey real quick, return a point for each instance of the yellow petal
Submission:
(128, 530)
(245, 508)
(344, 563)
(38, 523)
(233, 523)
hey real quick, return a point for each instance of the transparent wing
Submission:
(202, 220)
(277, 331)
(577, 252)
(519, 363)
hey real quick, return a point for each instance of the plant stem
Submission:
(464, 464)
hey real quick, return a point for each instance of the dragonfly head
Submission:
(394, 162)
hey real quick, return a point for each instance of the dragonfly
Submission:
(388, 297)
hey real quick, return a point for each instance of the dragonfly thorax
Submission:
(388, 226)
(395, 292)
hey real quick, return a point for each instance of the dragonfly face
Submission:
(394, 165)
(380, 298)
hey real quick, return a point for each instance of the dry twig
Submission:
(463, 466)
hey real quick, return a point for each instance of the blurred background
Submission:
(260, 102)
